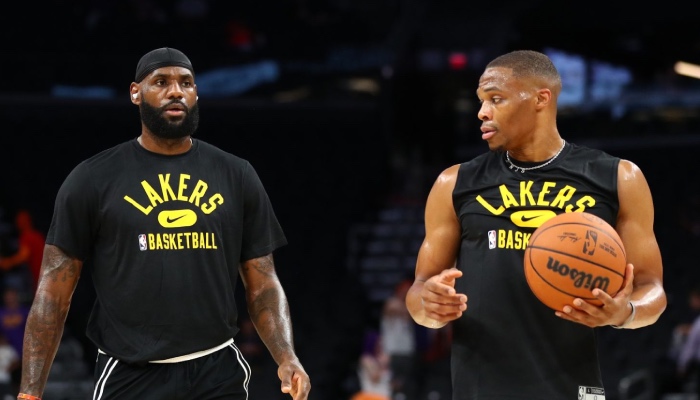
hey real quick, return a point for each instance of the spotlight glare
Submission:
(687, 69)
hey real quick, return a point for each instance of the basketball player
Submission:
(478, 218)
(169, 224)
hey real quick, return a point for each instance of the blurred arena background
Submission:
(348, 110)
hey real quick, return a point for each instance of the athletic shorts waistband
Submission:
(187, 357)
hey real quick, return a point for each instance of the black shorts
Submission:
(222, 375)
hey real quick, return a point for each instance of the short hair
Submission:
(528, 63)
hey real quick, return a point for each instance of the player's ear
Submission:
(544, 98)
(134, 92)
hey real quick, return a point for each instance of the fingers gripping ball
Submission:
(570, 255)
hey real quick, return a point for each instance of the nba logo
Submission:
(142, 242)
(589, 244)
(492, 239)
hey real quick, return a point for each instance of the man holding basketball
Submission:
(169, 224)
(478, 218)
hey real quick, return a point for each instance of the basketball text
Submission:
(177, 241)
(511, 239)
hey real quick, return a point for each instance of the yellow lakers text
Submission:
(549, 196)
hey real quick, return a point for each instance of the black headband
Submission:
(158, 58)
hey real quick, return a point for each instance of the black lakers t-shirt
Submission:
(165, 236)
(508, 345)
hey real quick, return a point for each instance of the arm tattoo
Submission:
(264, 265)
(269, 311)
(45, 323)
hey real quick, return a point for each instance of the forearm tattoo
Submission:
(269, 311)
(264, 265)
(45, 323)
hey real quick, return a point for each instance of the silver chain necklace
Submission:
(522, 170)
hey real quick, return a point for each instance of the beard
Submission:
(161, 127)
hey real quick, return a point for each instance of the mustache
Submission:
(178, 102)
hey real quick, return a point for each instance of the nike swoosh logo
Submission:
(177, 218)
(171, 220)
(531, 218)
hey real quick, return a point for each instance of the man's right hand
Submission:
(440, 300)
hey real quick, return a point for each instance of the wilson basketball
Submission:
(571, 254)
